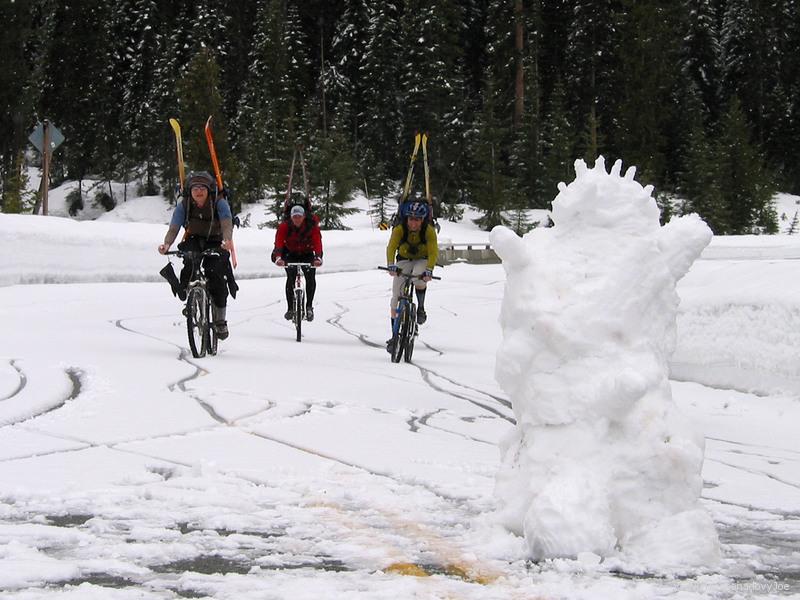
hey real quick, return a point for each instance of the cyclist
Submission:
(413, 248)
(298, 239)
(207, 221)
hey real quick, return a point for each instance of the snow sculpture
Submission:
(600, 459)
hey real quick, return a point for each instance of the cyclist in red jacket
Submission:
(299, 240)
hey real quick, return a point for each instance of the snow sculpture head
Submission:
(600, 460)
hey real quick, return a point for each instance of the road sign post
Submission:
(45, 138)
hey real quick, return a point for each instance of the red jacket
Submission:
(305, 239)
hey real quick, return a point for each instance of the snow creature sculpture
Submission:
(600, 459)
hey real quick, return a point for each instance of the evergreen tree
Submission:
(700, 183)
(432, 82)
(199, 98)
(526, 157)
(139, 46)
(702, 52)
(345, 77)
(751, 33)
(17, 94)
(794, 226)
(380, 197)
(490, 187)
(791, 77)
(591, 62)
(557, 147)
(335, 171)
(79, 93)
(264, 142)
(746, 186)
(648, 71)
(17, 198)
(380, 113)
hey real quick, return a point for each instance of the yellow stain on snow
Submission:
(404, 568)
(449, 560)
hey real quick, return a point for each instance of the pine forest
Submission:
(703, 96)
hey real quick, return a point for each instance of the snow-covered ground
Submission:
(319, 469)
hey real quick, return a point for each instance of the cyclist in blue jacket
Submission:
(207, 224)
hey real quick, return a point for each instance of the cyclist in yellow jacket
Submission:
(413, 248)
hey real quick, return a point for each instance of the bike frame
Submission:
(299, 295)
(404, 327)
(199, 280)
(405, 302)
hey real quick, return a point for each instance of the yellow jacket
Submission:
(413, 248)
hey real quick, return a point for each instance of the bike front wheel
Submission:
(299, 313)
(197, 321)
(410, 333)
(399, 338)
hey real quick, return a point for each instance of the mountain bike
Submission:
(299, 295)
(405, 329)
(198, 310)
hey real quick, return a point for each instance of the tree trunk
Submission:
(519, 85)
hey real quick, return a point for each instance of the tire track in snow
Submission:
(755, 471)
(428, 375)
(73, 374)
(23, 380)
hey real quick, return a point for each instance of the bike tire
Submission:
(299, 303)
(399, 338)
(196, 321)
(410, 333)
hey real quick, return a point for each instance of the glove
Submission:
(426, 275)
(317, 262)
(393, 269)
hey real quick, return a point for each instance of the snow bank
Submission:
(61, 250)
(600, 460)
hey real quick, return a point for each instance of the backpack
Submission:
(297, 200)
(422, 237)
(399, 217)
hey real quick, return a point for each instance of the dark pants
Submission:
(215, 267)
(310, 275)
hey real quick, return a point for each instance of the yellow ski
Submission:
(176, 127)
(410, 176)
(427, 177)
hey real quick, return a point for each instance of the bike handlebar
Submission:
(401, 274)
(193, 253)
(298, 264)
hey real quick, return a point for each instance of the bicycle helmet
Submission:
(203, 178)
(417, 209)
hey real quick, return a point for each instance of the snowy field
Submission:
(318, 470)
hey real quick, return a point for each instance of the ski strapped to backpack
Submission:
(218, 175)
(176, 128)
(420, 139)
(298, 153)
(428, 198)
(410, 176)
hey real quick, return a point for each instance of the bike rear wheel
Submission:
(299, 311)
(197, 321)
(410, 332)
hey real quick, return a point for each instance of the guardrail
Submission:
(475, 254)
